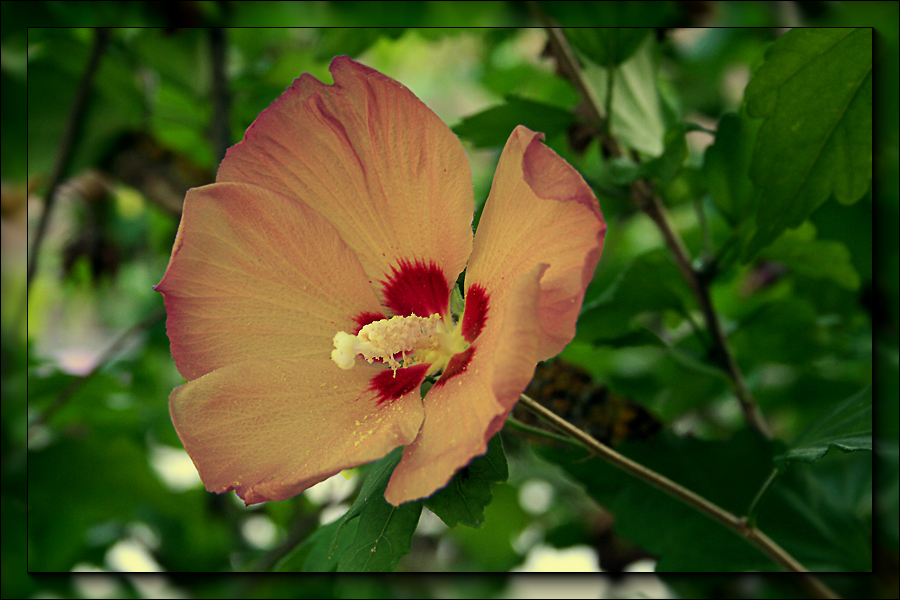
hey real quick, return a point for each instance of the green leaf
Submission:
(726, 167)
(637, 114)
(319, 552)
(371, 536)
(492, 127)
(782, 331)
(819, 259)
(607, 46)
(815, 93)
(726, 473)
(667, 165)
(464, 499)
(354, 40)
(383, 536)
(821, 513)
(847, 427)
(651, 282)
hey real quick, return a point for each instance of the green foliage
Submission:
(491, 128)
(613, 313)
(815, 95)
(637, 117)
(682, 538)
(727, 168)
(847, 427)
(464, 498)
(789, 271)
(821, 513)
(607, 46)
(371, 536)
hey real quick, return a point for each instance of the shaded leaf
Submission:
(620, 14)
(320, 551)
(607, 46)
(371, 536)
(463, 499)
(637, 114)
(651, 282)
(726, 473)
(815, 92)
(667, 165)
(847, 427)
(491, 128)
(383, 536)
(821, 513)
(820, 259)
(783, 331)
(726, 167)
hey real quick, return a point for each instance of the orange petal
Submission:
(538, 242)
(256, 275)
(540, 210)
(469, 404)
(269, 429)
(371, 157)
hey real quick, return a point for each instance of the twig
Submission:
(645, 199)
(518, 425)
(736, 524)
(66, 148)
(650, 204)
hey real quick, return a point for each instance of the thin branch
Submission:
(67, 147)
(736, 524)
(518, 425)
(646, 200)
(114, 349)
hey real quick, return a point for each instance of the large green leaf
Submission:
(847, 427)
(637, 113)
(491, 128)
(821, 513)
(463, 499)
(815, 93)
(727, 473)
(371, 536)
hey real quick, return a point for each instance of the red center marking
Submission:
(475, 314)
(364, 318)
(417, 288)
(390, 388)
(458, 364)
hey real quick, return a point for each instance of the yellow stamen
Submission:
(426, 339)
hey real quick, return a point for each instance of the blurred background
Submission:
(119, 123)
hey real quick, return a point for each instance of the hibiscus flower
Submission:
(309, 291)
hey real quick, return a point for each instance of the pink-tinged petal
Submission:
(373, 159)
(269, 429)
(471, 401)
(540, 210)
(257, 275)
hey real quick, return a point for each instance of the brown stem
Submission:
(644, 198)
(650, 204)
(736, 524)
